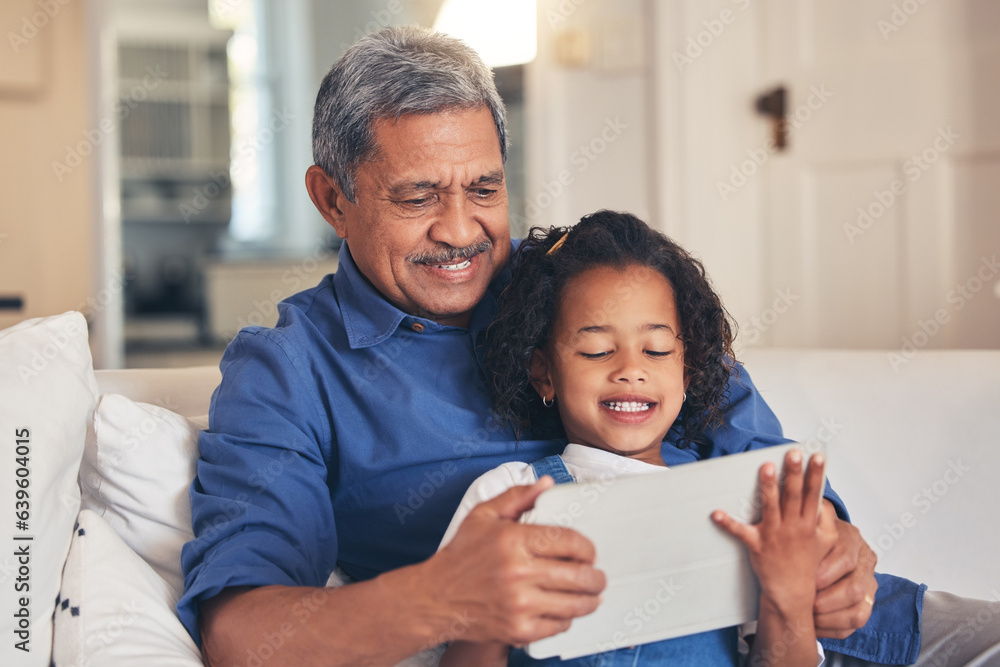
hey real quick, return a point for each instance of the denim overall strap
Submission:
(554, 467)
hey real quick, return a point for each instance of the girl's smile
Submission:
(615, 364)
(630, 408)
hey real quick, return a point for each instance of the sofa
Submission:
(97, 465)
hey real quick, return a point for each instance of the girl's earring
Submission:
(684, 398)
(548, 402)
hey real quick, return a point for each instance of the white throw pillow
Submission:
(113, 609)
(47, 392)
(136, 473)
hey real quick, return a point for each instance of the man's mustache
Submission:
(446, 255)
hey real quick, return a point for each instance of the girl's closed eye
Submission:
(607, 353)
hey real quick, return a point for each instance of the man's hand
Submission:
(845, 580)
(512, 582)
(497, 580)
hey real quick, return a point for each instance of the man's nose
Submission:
(456, 225)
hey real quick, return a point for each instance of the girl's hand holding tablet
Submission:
(785, 548)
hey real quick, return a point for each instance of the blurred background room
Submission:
(835, 164)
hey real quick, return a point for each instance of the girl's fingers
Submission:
(770, 502)
(748, 535)
(791, 496)
(814, 484)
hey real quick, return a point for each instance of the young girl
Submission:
(611, 335)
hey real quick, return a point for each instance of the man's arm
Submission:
(498, 580)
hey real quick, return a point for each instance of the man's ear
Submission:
(328, 198)
(541, 378)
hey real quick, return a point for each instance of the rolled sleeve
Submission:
(892, 634)
(262, 461)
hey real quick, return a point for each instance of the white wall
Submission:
(659, 166)
(51, 138)
(705, 124)
(688, 103)
(587, 142)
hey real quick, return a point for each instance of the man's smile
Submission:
(453, 267)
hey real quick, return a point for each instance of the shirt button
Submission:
(418, 327)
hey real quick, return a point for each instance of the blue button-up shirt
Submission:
(347, 435)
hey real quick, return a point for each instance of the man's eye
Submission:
(417, 202)
(594, 355)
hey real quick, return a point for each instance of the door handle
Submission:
(774, 105)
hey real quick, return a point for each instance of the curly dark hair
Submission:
(529, 306)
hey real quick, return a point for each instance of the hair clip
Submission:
(558, 244)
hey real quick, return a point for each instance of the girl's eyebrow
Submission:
(607, 328)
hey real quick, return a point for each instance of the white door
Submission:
(877, 227)
(883, 215)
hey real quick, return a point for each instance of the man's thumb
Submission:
(514, 502)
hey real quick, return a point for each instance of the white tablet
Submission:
(671, 571)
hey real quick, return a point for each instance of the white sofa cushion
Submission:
(47, 392)
(113, 609)
(913, 443)
(136, 473)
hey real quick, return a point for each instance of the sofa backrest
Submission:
(186, 391)
(914, 447)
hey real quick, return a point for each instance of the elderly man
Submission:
(346, 435)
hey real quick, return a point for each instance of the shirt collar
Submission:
(592, 458)
(370, 318)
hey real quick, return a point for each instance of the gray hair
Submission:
(390, 73)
